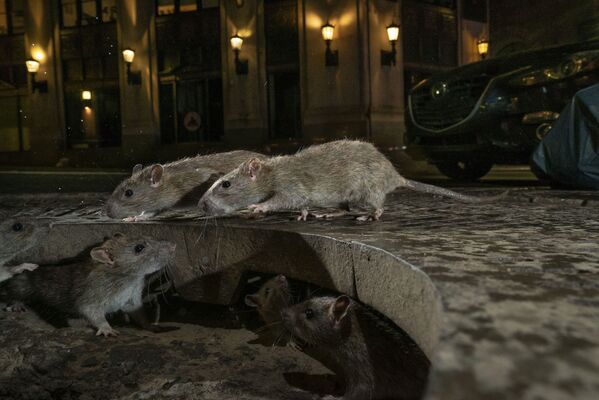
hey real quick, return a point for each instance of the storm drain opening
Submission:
(223, 343)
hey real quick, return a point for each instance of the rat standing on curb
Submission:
(16, 236)
(376, 361)
(112, 279)
(334, 174)
(153, 189)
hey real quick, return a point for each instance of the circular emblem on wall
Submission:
(192, 121)
(439, 90)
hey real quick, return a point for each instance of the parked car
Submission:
(495, 111)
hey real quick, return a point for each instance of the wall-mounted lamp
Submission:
(32, 67)
(133, 77)
(331, 57)
(86, 99)
(389, 57)
(483, 48)
(241, 66)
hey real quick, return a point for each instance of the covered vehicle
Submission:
(569, 154)
(495, 111)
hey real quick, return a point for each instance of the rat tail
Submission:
(431, 189)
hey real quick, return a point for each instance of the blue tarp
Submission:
(569, 153)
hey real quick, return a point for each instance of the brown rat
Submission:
(17, 235)
(111, 279)
(376, 361)
(334, 174)
(156, 188)
(271, 299)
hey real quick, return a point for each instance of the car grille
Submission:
(451, 108)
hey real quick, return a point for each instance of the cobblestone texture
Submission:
(518, 280)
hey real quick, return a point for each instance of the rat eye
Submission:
(309, 313)
(128, 193)
(139, 248)
(267, 291)
(17, 227)
(226, 184)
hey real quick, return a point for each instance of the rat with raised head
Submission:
(330, 175)
(377, 362)
(111, 279)
(17, 235)
(156, 188)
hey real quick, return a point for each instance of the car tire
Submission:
(465, 170)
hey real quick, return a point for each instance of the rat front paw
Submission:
(24, 267)
(107, 331)
(258, 208)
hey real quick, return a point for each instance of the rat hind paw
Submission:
(107, 331)
(17, 307)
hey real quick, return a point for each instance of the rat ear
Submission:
(101, 255)
(251, 300)
(118, 235)
(156, 174)
(136, 169)
(281, 279)
(339, 308)
(252, 168)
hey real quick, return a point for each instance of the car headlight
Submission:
(577, 63)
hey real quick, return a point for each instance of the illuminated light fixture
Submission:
(241, 66)
(38, 54)
(389, 57)
(331, 57)
(483, 48)
(33, 67)
(86, 95)
(133, 77)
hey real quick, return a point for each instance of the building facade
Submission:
(212, 75)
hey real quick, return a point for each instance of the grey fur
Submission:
(178, 179)
(111, 279)
(13, 242)
(334, 174)
(376, 361)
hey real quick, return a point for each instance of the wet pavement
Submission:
(518, 281)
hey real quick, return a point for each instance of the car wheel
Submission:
(465, 170)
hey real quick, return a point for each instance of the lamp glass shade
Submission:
(32, 66)
(393, 32)
(483, 47)
(236, 42)
(327, 32)
(128, 55)
(86, 95)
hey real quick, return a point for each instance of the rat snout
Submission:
(208, 207)
(111, 210)
(286, 316)
(170, 246)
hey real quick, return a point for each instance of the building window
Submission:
(89, 53)
(12, 17)
(168, 7)
(430, 36)
(282, 66)
(13, 74)
(14, 131)
(86, 12)
(189, 68)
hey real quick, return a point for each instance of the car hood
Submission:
(498, 66)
